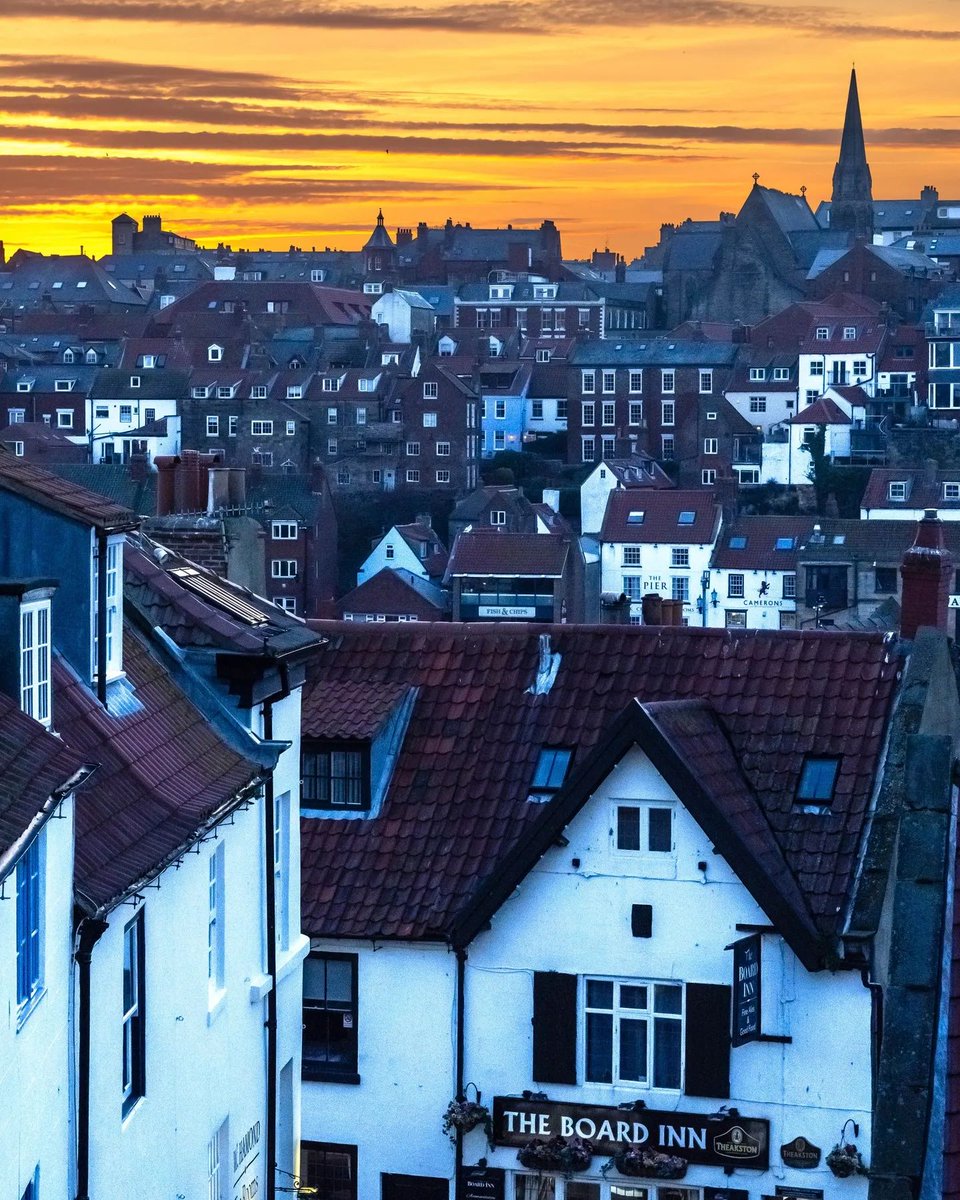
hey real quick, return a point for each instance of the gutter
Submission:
(89, 932)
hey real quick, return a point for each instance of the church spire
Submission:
(851, 210)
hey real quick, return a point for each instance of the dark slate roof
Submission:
(34, 765)
(164, 775)
(67, 280)
(394, 590)
(921, 492)
(661, 510)
(113, 481)
(492, 552)
(112, 383)
(193, 620)
(638, 471)
(653, 351)
(761, 535)
(881, 542)
(694, 249)
(456, 809)
(52, 491)
(791, 213)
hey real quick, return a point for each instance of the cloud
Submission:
(530, 17)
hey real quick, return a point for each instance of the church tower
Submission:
(851, 209)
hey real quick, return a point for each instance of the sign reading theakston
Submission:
(746, 990)
(697, 1137)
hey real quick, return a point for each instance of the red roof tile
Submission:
(660, 522)
(50, 491)
(457, 806)
(821, 412)
(491, 552)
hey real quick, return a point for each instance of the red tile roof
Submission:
(922, 491)
(353, 708)
(164, 774)
(760, 552)
(457, 807)
(394, 591)
(661, 517)
(33, 765)
(489, 552)
(821, 412)
(50, 491)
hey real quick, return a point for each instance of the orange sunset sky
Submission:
(266, 122)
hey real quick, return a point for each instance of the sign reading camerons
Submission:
(698, 1137)
(746, 990)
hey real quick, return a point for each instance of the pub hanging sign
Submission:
(747, 1013)
(719, 1141)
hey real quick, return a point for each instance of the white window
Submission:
(361, 415)
(636, 382)
(283, 568)
(735, 585)
(284, 531)
(536, 410)
(706, 382)
(608, 447)
(295, 391)
(373, 289)
(232, 423)
(951, 491)
(413, 449)
(225, 393)
(24, 385)
(588, 382)
(443, 449)
(330, 385)
(498, 516)
(429, 420)
(331, 445)
(822, 333)
(758, 404)
(199, 392)
(631, 556)
(133, 1073)
(343, 477)
(413, 476)
(680, 556)
(758, 374)
(214, 353)
(711, 445)
(608, 412)
(790, 586)
(30, 893)
(587, 412)
(443, 477)
(897, 490)
(431, 391)
(63, 385)
(134, 381)
(668, 382)
(849, 333)
(708, 476)
(213, 426)
(587, 449)
(259, 392)
(291, 428)
(261, 428)
(644, 828)
(636, 412)
(781, 373)
(64, 418)
(499, 440)
(218, 1166)
(633, 1032)
(287, 603)
(500, 410)
(816, 368)
(35, 661)
(215, 923)
(609, 381)
(680, 588)
(860, 366)
(114, 599)
(667, 446)
(16, 416)
(543, 356)
(583, 318)
(126, 414)
(667, 412)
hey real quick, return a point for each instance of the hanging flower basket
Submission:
(566, 1155)
(845, 1160)
(464, 1115)
(631, 1160)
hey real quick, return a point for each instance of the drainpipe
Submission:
(102, 618)
(89, 933)
(271, 917)
(461, 1005)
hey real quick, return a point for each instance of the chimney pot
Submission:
(927, 572)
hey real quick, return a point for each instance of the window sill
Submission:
(294, 956)
(24, 1013)
(315, 1073)
(216, 1005)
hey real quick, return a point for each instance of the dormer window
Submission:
(543, 356)
(545, 291)
(90, 356)
(63, 385)
(897, 490)
(214, 353)
(148, 361)
(68, 356)
(336, 775)
(24, 385)
(200, 392)
(951, 491)
(134, 381)
(822, 333)
(35, 660)
(224, 393)
(113, 622)
(849, 333)
(758, 374)
(781, 373)
(258, 393)
(295, 392)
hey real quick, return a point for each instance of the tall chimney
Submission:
(927, 572)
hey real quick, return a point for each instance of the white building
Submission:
(659, 542)
(539, 910)
(753, 573)
(615, 474)
(413, 547)
(404, 313)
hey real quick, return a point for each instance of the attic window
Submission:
(686, 518)
(336, 775)
(849, 333)
(785, 543)
(951, 491)
(822, 333)
(897, 490)
(818, 779)
(635, 518)
(551, 770)
(738, 543)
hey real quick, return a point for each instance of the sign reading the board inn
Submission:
(746, 990)
(697, 1137)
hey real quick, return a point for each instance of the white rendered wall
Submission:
(403, 557)
(577, 920)
(35, 1110)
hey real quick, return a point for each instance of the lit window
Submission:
(429, 420)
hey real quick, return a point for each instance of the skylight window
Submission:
(635, 518)
(204, 586)
(686, 518)
(738, 543)
(818, 779)
(552, 767)
(785, 543)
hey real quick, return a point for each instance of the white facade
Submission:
(572, 914)
(751, 599)
(674, 572)
(543, 415)
(394, 551)
(111, 422)
(765, 409)
(403, 313)
(36, 1128)
(847, 368)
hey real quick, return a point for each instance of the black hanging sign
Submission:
(483, 1183)
(746, 990)
(801, 1153)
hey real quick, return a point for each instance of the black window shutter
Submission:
(707, 1025)
(554, 1027)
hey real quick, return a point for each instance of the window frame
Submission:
(318, 747)
(643, 849)
(619, 1012)
(133, 1016)
(30, 886)
(326, 1148)
(322, 1070)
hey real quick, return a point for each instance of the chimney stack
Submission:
(927, 572)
